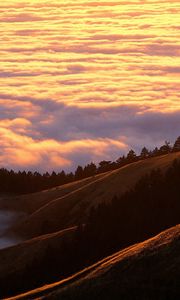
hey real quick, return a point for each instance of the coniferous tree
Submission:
(90, 170)
(121, 161)
(166, 148)
(79, 173)
(155, 152)
(104, 165)
(144, 153)
(131, 156)
(176, 146)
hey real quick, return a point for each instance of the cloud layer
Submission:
(86, 80)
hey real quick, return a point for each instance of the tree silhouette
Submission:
(131, 156)
(144, 153)
(166, 148)
(89, 170)
(104, 165)
(79, 173)
(28, 182)
(176, 146)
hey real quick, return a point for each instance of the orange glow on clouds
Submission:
(24, 151)
(66, 63)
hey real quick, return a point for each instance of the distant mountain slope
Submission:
(31, 202)
(70, 209)
(148, 270)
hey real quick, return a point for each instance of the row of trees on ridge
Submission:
(23, 182)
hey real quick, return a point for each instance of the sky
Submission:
(86, 80)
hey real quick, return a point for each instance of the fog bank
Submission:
(7, 219)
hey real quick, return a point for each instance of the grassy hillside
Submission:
(31, 202)
(148, 270)
(73, 207)
(150, 207)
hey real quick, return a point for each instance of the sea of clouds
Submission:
(86, 80)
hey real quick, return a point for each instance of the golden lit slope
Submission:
(149, 268)
(74, 207)
(31, 202)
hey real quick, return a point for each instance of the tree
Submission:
(70, 177)
(62, 177)
(131, 156)
(46, 175)
(79, 172)
(166, 148)
(53, 174)
(121, 160)
(104, 165)
(176, 146)
(144, 153)
(155, 152)
(90, 170)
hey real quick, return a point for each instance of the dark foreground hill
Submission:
(149, 270)
(145, 271)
